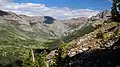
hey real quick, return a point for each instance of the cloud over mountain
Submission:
(33, 9)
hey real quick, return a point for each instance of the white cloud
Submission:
(1, 1)
(33, 9)
(4, 2)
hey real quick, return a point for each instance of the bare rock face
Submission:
(76, 21)
(100, 18)
(2, 13)
(103, 15)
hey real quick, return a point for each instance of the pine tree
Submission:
(114, 12)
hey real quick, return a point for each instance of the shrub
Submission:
(27, 61)
(107, 36)
(41, 60)
(61, 59)
(99, 34)
(117, 32)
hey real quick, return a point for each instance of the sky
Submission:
(58, 9)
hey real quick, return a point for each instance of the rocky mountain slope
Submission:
(98, 48)
(100, 23)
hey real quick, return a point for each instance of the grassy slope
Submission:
(14, 43)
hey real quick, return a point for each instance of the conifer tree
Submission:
(114, 11)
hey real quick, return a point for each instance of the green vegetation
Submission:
(60, 59)
(41, 60)
(15, 45)
(117, 32)
(99, 34)
(79, 33)
(104, 36)
(115, 11)
(67, 39)
(27, 61)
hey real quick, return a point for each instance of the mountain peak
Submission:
(2, 13)
(102, 15)
(49, 20)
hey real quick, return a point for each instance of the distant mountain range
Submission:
(39, 27)
(44, 28)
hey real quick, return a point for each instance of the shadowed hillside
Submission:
(108, 57)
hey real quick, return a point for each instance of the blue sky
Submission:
(73, 4)
(58, 9)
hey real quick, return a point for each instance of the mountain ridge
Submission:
(26, 23)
